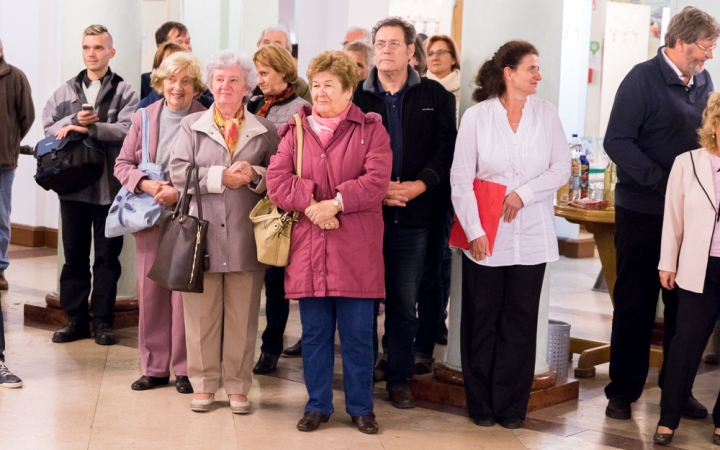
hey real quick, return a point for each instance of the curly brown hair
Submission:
(337, 63)
(490, 79)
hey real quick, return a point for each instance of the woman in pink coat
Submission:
(336, 267)
(161, 331)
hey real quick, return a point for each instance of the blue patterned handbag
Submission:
(131, 212)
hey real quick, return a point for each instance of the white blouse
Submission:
(534, 163)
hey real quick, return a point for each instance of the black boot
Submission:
(266, 363)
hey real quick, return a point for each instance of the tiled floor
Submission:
(78, 396)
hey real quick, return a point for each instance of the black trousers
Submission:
(696, 318)
(430, 297)
(84, 224)
(2, 337)
(498, 333)
(637, 242)
(277, 310)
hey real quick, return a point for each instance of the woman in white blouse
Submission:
(515, 139)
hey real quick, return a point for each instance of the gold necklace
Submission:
(514, 124)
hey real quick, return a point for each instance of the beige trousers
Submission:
(221, 330)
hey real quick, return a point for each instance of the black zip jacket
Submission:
(428, 145)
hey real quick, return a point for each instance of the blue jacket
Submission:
(654, 119)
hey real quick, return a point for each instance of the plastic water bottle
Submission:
(576, 172)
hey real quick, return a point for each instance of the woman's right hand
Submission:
(667, 279)
(234, 180)
(480, 248)
(152, 187)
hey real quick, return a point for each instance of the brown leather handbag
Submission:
(180, 259)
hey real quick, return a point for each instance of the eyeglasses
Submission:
(706, 49)
(394, 45)
(439, 53)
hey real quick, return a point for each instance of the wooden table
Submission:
(602, 225)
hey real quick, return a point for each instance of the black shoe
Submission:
(483, 421)
(3, 281)
(380, 369)
(716, 438)
(8, 379)
(663, 438)
(146, 382)
(104, 334)
(182, 384)
(423, 365)
(442, 337)
(266, 363)
(693, 409)
(294, 351)
(311, 421)
(366, 424)
(618, 408)
(401, 397)
(71, 332)
(510, 424)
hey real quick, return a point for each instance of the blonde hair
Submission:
(97, 30)
(279, 59)
(337, 63)
(710, 117)
(175, 63)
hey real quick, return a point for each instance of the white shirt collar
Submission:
(677, 71)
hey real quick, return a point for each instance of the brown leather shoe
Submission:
(311, 421)
(366, 424)
(401, 397)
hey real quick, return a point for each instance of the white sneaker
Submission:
(8, 379)
(202, 405)
(240, 407)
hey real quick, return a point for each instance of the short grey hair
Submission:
(278, 28)
(230, 58)
(367, 36)
(364, 48)
(691, 25)
(396, 21)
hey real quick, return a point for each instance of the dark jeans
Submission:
(83, 224)
(430, 298)
(354, 319)
(696, 318)
(2, 337)
(498, 333)
(637, 242)
(277, 309)
(404, 249)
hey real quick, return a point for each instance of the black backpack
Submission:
(76, 161)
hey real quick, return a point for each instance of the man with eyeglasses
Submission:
(656, 113)
(419, 115)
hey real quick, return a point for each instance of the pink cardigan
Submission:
(126, 170)
(689, 220)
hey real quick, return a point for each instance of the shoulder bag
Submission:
(272, 225)
(131, 212)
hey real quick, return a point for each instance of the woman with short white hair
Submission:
(231, 148)
(161, 330)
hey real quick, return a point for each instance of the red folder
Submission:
(490, 197)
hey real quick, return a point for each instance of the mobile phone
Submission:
(88, 107)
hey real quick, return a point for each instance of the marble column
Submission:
(123, 20)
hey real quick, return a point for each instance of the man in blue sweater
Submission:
(656, 113)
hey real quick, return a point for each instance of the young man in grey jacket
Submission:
(83, 212)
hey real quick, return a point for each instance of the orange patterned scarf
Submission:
(230, 129)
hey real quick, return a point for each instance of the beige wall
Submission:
(154, 14)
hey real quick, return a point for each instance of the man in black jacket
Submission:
(419, 115)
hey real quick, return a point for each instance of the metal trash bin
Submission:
(558, 347)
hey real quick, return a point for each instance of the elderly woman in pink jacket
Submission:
(336, 266)
(161, 330)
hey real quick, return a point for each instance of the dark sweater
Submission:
(654, 119)
(428, 144)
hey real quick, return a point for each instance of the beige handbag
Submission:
(272, 225)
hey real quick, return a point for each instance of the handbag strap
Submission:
(145, 136)
(298, 122)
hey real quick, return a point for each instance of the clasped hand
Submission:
(323, 214)
(162, 192)
(511, 206)
(399, 194)
(239, 174)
